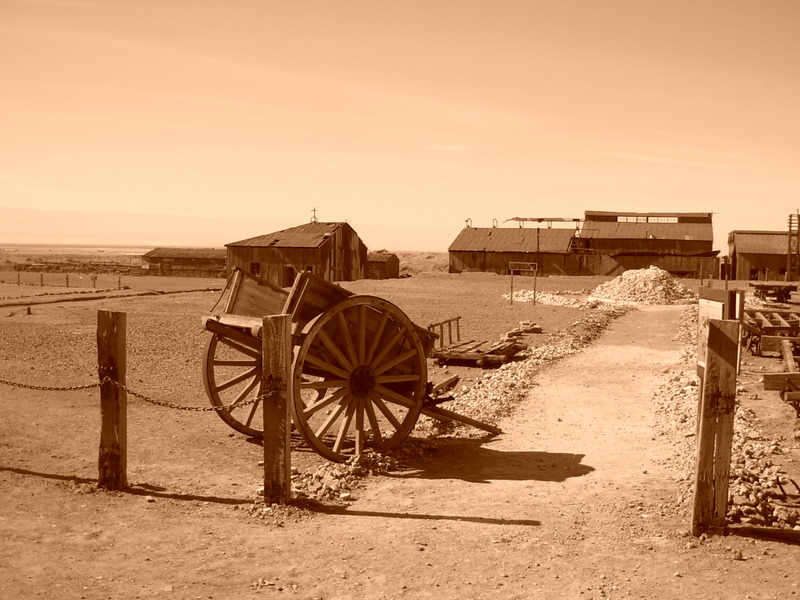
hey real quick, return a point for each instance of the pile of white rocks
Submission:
(645, 286)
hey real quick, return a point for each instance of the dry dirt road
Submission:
(576, 499)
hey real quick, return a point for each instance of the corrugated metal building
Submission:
(758, 255)
(185, 262)
(491, 249)
(681, 243)
(331, 250)
(382, 265)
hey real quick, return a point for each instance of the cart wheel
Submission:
(359, 378)
(233, 375)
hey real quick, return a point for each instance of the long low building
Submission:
(203, 262)
(607, 243)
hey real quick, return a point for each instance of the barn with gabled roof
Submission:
(332, 251)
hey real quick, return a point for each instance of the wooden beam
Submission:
(276, 378)
(111, 361)
(715, 427)
(788, 356)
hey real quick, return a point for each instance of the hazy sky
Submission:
(192, 122)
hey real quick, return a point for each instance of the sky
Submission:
(203, 122)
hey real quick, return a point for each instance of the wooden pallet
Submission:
(480, 353)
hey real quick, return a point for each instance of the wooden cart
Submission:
(773, 290)
(359, 372)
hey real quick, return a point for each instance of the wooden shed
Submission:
(332, 251)
(185, 262)
(758, 255)
(491, 249)
(382, 265)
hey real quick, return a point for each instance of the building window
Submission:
(255, 269)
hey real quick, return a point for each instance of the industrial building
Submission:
(758, 255)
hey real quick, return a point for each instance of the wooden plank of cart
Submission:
(359, 369)
(761, 327)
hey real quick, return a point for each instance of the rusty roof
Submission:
(511, 239)
(308, 235)
(212, 253)
(760, 242)
(641, 231)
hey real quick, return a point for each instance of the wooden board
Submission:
(782, 381)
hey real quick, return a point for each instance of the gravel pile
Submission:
(647, 286)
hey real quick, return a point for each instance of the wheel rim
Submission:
(359, 378)
(233, 376)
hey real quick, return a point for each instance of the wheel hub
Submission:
(362, 381)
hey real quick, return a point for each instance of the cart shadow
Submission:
(469, 460)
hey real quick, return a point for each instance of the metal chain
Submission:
(47, 388)
(127, 390)
(190, 408)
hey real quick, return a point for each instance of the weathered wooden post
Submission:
(111, 359)
(41, 279)
(19, 278)
(715, 427)
(67, 278)
(276, 336)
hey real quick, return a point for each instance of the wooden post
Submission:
(111, 359)
(41, 279)
(715, 427)
(276, 377)
(119, 283)
(19, 277)
(535, 277)
(511, 295)
(788, 356)
(67, 277)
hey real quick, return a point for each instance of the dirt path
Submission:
(574, 500)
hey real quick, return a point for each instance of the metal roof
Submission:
(381, 257)
(641, 231)
(511, 239)
(605, 213)
(309, 235)
(212, 253)
(761, 242)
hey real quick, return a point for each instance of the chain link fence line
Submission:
(140, 396)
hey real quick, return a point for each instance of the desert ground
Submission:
(586, 493)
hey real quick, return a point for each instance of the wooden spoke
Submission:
(242, 349)
(335, 414)
(315, 407)
(392, 345)
(377, 337)
(362, 334)
(392, 396)
(360, 433)
(334, 349)
(373, 422)
(348, 417)
(396, 361)
(347, 338)
(326, 366)
(386, 412)
(247, 390)
(324, 384)
(253, 412)
(237, 363)
(396, 378)
(238, 379)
